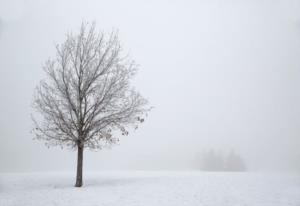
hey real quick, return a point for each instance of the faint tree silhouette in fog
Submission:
(217, 161)
(212, 161)
(86, 101)
(234, 162)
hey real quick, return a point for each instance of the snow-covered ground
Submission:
(151, 189)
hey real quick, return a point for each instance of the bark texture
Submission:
(79, 166)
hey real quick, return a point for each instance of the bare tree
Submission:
(86, 100)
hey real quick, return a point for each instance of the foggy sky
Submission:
(220, 74)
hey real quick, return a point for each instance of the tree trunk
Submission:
(79, 166)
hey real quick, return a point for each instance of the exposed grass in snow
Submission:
(150, 189)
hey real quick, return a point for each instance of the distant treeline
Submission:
(217, 161)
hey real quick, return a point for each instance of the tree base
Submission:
(78, 184)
